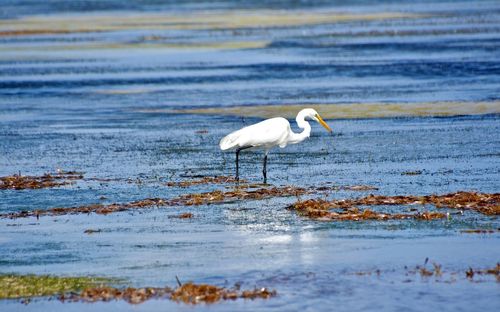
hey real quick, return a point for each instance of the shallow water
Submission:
(95, 101)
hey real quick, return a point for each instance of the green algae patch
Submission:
(28, 286)
(353, 111)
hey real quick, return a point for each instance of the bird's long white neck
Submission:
(295, 138)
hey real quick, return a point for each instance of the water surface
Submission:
(96, 95)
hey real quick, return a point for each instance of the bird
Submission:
(270, 133)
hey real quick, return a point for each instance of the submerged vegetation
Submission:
(221, 19)
(28, 286)
(88, 289)
(351, 110)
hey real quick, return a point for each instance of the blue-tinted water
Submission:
(75, 99)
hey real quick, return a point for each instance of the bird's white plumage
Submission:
(265, 135)
(270, 133)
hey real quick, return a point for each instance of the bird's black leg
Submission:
(238, 150)
(237, 165)
(264, 170)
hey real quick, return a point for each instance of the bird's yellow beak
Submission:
(323, 123)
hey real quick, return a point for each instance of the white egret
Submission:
(270, 133)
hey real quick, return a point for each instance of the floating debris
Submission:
(205, 180)
(186, 215)
(480, 231)
(488, 204)
(20, 182)
(189, 293)
(91, 231)
(320, 209)
(237, 195)
(215, 197)
(493, 271)
(410, 173)
(424, 272)
(130, 295)
(243, 184)
(96, 208)
(469, 273)
(438, 273)
(358, 188)
(94, 289)
(363, 273)
(345, 188)
(193, 293)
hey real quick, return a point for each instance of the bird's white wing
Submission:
(265, 134)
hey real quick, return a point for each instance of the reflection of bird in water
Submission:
(270, 133)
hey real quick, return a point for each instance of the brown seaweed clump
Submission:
(188, 293)
(205, 180)
(195, 199)
(185, 215)
(193, 293)
(436, 271)
(495, 271)
(130, 295)
(320, 209)
(20, 182)
(480, 231)
(237, 195)
(95, 208)
(488, 204)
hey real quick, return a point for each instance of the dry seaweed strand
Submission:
(243, 184)
(204, 180)
(215, 197)
(495, 271)
(320, 209)
(438, 272)
(186, 215)
(480, 231)
(92, 231)
(189, 293)
(130, 295)
(488, 204)
(20, 182)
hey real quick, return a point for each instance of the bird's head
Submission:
(313, 114)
